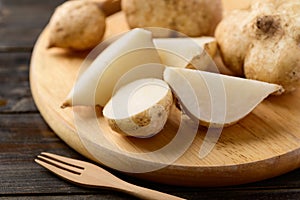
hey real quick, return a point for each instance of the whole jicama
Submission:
(263, 42)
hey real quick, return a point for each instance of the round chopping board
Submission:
(264, 144)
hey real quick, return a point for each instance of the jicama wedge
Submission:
(216, 100)
(95, 86)
(186, 52)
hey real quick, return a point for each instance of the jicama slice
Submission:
(95, 86)
(216, 100)
(140, 108)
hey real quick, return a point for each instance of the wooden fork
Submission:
(87, 174)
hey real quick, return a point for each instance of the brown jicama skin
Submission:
(193, 18)
(263, 42)
(80, 24)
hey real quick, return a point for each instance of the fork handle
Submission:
(145, 193)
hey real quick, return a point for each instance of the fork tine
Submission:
(75, 163)
(58, 171)
(62, 165)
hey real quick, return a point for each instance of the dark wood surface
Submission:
(24, 133)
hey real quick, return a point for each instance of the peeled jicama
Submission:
(216, 100)
(95, 86)
(186, 52)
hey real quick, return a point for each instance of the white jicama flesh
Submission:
(140, 108)
(216, 100)
(186, 52)
(95, 86)
(151, 70)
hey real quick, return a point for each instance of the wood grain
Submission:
(15, 94)
(25, 134)
(20, 26)
(262, 145)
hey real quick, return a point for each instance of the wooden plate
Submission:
(264, 144)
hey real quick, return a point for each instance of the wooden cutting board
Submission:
(264, 144)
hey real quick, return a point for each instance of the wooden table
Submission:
(24, 133)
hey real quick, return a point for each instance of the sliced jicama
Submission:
(140, 108)
(216, 100)
(186, 52)
(95, 86)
